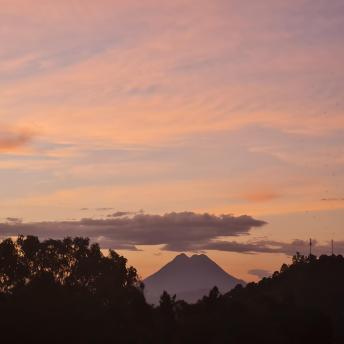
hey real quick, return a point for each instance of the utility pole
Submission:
(310, 247)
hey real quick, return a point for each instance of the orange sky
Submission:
(221, 107)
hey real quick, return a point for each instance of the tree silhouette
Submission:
(63, 282)
(68, 291)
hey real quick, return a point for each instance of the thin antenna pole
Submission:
(310, 247)
(332, 247)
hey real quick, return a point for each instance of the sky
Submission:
(159, 127)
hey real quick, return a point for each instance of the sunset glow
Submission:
(181, 107)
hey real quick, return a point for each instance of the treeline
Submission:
(62, 291)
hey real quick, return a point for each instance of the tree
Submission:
(70, 281)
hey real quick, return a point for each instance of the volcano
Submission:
(190, 278)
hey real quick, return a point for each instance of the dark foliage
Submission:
(67, 291)
(302, 303)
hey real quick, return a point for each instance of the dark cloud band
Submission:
(177, 231)
(185, 231)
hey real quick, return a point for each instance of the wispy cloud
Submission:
(12, 140)
(261, 196)
(333, 199)
(124, 213)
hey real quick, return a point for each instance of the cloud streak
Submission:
(260, 273)
(251, 247)
(268, 246)
(260, 196)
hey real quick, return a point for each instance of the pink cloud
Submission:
(14, 140)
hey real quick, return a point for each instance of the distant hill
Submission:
(190, 278)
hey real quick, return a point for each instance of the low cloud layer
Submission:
(271, 246)
(177, 231)
(185, 231)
